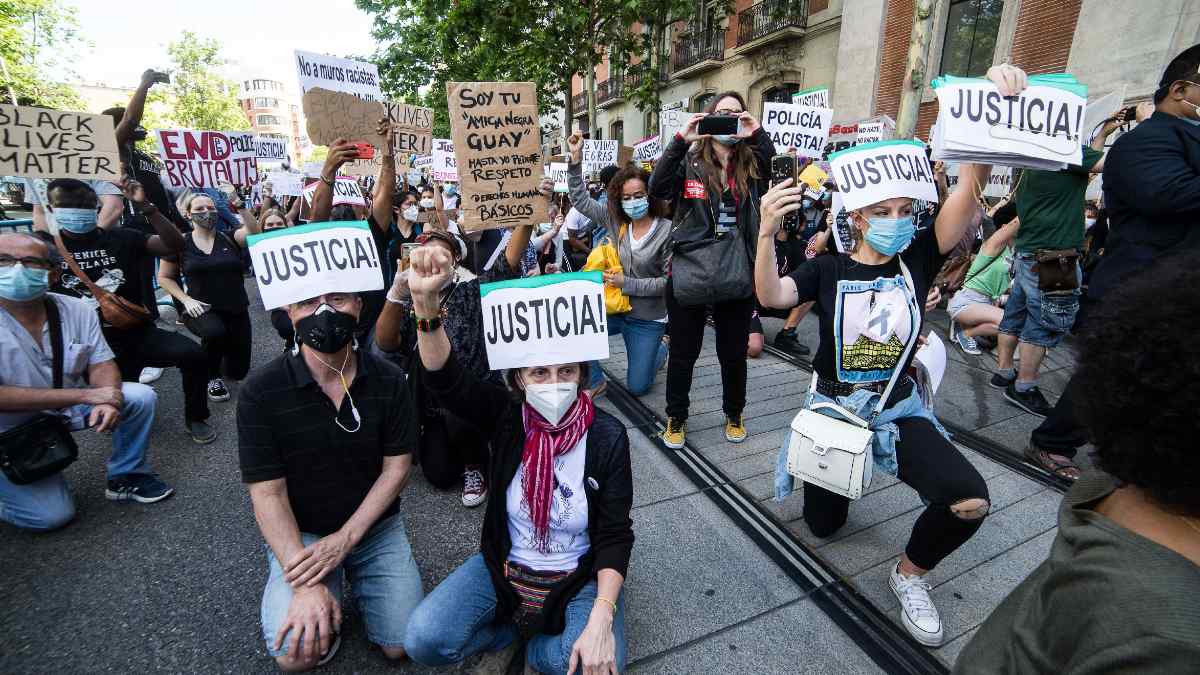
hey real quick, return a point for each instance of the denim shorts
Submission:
(383, 578)
(1037, 318)
(964, 298)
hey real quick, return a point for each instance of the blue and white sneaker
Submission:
(965, 342)
(144, 488)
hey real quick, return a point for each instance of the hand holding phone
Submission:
(783, 167)
(364, 150)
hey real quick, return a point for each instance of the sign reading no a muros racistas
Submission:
(298, 263)
(545, 320)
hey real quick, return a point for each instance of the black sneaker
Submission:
(217, 391)
(143, 488)
(787, 341)
(999, 381)
(201, 432)
(1030, 401)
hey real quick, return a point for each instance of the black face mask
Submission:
(326, 330)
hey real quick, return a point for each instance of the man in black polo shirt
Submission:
(325, 434)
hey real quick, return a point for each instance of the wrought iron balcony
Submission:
(770, 17)
(610, 91)
(699, 49)
(636, 73)
(579, 104)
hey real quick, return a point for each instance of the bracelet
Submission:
(427, 325)
(327, 181)
(610, 603)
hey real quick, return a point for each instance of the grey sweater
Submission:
(645, 269)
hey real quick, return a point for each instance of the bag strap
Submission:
(912, 341)
(95, 290)
(56, 340)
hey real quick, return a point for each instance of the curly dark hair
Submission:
(1137, 382)
(616, 212)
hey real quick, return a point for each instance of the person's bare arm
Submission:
(519, 241)
(1101, 138)
(39, 218)
(385, 186)
(250, 224)
(429, 268)
(168, 278)
(293, 213)
(773, 291)
(961, 207)
(340, 152)
(110, 212)
(136, 107)
(996, 243)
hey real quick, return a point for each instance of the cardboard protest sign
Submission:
(286, 183)
(797, 126)
(558, 171)
(545, 320)
(200, 159)
(337, 74)
(302, 262)
(345, 191)
(817, 97)
(598, 154)
(843, 238)
(271, 149)
(42, 143)
(624, 156)
(412, 128)
(333, 114)
(445, 166)
(999, 182)
(497, 136)
(873, 172)
(648, 149)
(1041, 128)
(672, 118)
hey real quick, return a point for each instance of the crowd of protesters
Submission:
(400, 377)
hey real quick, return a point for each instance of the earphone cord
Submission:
(346, 388)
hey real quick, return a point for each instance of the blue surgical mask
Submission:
(76, 221)
(1192, 121)
(726, 139)
(450, 190)
(806, 203)
(889, 236)
(21, 284)
(636, 208)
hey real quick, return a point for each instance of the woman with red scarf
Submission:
(556, 539)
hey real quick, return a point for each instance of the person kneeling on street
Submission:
(38, 329)
(325, 437)
(556, 535)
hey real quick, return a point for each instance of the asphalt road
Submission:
(176, 586)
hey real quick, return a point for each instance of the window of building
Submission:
(268, 120)
(618, 131)
(970, 43)
(781, 94)
(262, 102)
(701, 101)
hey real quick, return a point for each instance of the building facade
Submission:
(274, 112)
(769, 49)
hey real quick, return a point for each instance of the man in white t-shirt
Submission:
(579, 237)
(111, 202)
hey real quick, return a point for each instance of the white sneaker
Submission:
(474, 490)
(149, 375)
(917, 612)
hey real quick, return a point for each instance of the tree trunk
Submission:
(915, 69)
(568, 108)
(590, 84)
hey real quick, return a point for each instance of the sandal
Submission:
(1065, 470)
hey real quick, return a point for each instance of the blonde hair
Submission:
(184, 202)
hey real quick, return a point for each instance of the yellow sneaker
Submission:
(735, 430)
(673, 436)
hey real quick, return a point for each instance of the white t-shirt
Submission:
(569, 538)
(576, 221)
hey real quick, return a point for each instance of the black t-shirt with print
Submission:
(215, 278)
(877, 305)
(148, 171)
(111, 258)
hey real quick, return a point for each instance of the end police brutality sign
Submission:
(544, 320)
(298, 263)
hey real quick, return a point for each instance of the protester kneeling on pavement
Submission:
(1118, 591)
(91, 395)
(977, 308)
(557, 535)
(864, 293)
(325, 436)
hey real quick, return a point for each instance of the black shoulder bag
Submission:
(43, 446)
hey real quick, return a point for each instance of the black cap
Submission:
(607, 173)
(1186, 66)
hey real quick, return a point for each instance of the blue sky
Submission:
(258, 36)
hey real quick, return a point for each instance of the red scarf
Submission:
(543, 443)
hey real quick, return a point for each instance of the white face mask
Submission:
(427, 203)
(552, 400)
(410, 213)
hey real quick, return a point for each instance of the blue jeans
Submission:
(383, 578)
(458, 619)
(1034, 317)
(644, 352)
(47, 504)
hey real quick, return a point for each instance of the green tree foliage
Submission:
(38, 37)
(198, 97)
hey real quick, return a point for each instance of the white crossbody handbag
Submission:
(831, 452)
